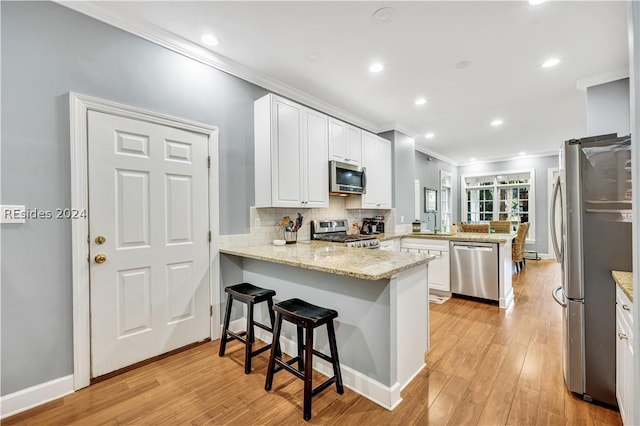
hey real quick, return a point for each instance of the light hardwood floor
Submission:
(486, 366)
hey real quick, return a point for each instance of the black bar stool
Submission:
(306, 317)
(249, 294)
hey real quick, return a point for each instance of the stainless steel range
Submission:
(336, 231)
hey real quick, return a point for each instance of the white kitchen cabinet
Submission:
(624, 356)
(345, 142)
(439, 275)
(390, 245)
(291, 154)
(376, 158)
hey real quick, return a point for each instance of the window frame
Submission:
(446, 193)
(495, 187)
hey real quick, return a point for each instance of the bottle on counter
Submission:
(454, 229)
(416, 225)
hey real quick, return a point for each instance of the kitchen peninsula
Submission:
(383, 319)
(442, 246)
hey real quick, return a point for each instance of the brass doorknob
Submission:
(100, 239)
(100, 258)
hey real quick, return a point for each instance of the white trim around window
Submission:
(491, 182)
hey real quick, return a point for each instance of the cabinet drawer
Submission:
(624, 306)
(425, 244)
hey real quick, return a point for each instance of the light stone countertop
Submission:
(335, 259)
(460, 236)
(625, 282)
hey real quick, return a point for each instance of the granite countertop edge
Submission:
(270, 253)
(624, 280)
(460, 236)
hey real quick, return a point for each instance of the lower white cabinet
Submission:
(624, 356)
(390, 245)
(439, 275)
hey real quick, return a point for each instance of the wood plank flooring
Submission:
(486, 366)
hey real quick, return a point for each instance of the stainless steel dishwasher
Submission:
(474, 269)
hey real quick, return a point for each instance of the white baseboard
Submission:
(236, 325)
(24, 399)
(37, 395)
(385, 396)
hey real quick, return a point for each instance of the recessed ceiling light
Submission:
(497, 122)
(377, 67)
(429, 135)
(472, 160)
(383, 15)
(420, 101)
(536, 2)
(522, 153)
(551, 62)
(210, 39)
(312, 56)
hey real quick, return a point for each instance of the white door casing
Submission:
(148, 198)
(80, 105)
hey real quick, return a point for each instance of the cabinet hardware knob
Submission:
(622, 336)
(625, 307)
(100, 258)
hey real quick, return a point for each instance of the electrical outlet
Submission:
(401, 219)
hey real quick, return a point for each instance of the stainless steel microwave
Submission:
(346, 178)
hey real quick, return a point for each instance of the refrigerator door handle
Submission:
(559, 300)
(552, 220)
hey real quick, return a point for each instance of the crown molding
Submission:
(437, 156)
(595, 80)
(196, 52)
(510, 158)
(388, 127)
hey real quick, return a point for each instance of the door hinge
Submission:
(208, 162)
(210, 310)
(209, 236)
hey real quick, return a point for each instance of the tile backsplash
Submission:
(265, 222)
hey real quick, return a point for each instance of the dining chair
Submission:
(478, 228)
(518, 247)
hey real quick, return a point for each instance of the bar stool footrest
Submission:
(286, 365)
(264, 327)
(323, 386)
(236, 336)
(262, 349)
(323, 356)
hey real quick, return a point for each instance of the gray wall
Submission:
(404, 172)
(47, 51)
(428, 173)
(541, 166)
(608, 108)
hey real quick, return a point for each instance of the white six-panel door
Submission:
(148, 198)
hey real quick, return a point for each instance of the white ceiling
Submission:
(324, 49)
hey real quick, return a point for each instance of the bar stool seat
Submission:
(249, 294)
(306, 317)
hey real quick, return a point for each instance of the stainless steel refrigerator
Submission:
(592, 197)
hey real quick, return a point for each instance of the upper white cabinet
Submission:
(376, 158)
(624, 356)
(345, 142)
(291, 154)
